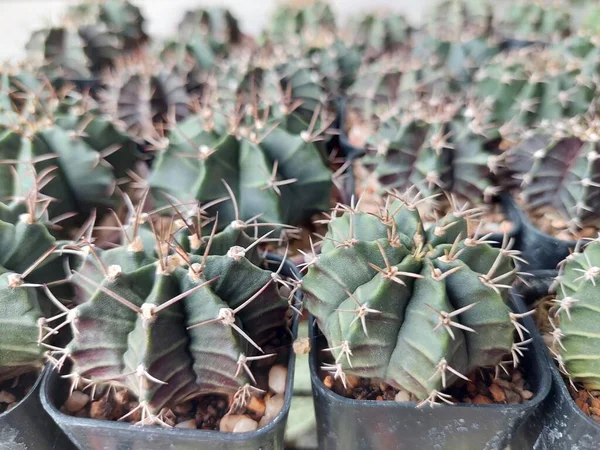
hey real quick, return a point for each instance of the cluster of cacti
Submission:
(435, 150)
(575, 335)
(417, 308)
(28, 264)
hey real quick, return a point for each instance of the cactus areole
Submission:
(415, 308)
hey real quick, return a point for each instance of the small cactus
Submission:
(28, 263)
(538, 20)
(170, 326)
(415, 308)
(560, 170)
(575, 335)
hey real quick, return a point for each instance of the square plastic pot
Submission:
(565, 426)
(347, 424)
(27, 426)
(540, 250)
(91, 434)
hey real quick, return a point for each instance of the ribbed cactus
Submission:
(277, 177)
(216, 25)
(84, 155)
(295, 22)
(434, 149)
(560, 170)
(538, 20)
(27, 261)
(171, 327)
(524, 87)
(461, 17)
(575, 318)
(415, 308)
(379, 33)
(142, 95)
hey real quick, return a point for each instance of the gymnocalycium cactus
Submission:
(538, 20)
(27, 263)
(434, 149)
(560, 170)
(575, 317)
(415, 308)
(277, 177)
(171, 327)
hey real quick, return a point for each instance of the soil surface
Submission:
(14, 390)
(550, 221)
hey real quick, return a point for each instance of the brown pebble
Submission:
(11, 406)
(76, 401)
(328, 381)
(301, 346)
(471, 388)
(257, 406)
(526, 395)
(183, 409)
(516, 376)
(353, 381)
(497, 393)
(7, 397)
(101, 409)
(135, 416)
(379, 398)
(512, 397)
(504, 384)
(481, 400)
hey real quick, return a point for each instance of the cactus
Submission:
(301, 22)
(434, 149)
(216, 25)
(472, 18)
(171, 327)
(278, 177)
(143, 95)
(27, 262)
(415, 308)
(559, 170)
(535, 21)
(380, 33)
(527, 86)
(92, 37)
(84, 154)
(575, 338)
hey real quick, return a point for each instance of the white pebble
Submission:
(229, 421)
(402, 396)
(274, 405)
(277, 379)
(191, 423)
(244, 425)
(7, 397)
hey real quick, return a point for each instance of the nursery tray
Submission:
(346, 424)
(90, 434)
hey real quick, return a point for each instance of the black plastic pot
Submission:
(90, 434)
(346, 424)
(540, 250)
(564, 424)
(27, 426)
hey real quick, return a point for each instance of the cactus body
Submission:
(383, 289)
(576, 317)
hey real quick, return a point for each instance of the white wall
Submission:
(18, 18)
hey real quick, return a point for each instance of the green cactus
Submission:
(171, 327)
(525, 87)
(83, 155)
(217, 26)
(143, 95)
(415, 308)
(27, 262)
(380, 33)
(470, 18)
(277, 177)
(301, 22)
(560, 170)
(435, 150)
(538, 20)
(574, 318)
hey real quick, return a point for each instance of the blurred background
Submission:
(18, 18)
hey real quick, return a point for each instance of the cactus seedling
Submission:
(417, 308)
(172, 327)
(575, 316)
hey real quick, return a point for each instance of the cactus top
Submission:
(416, 308)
